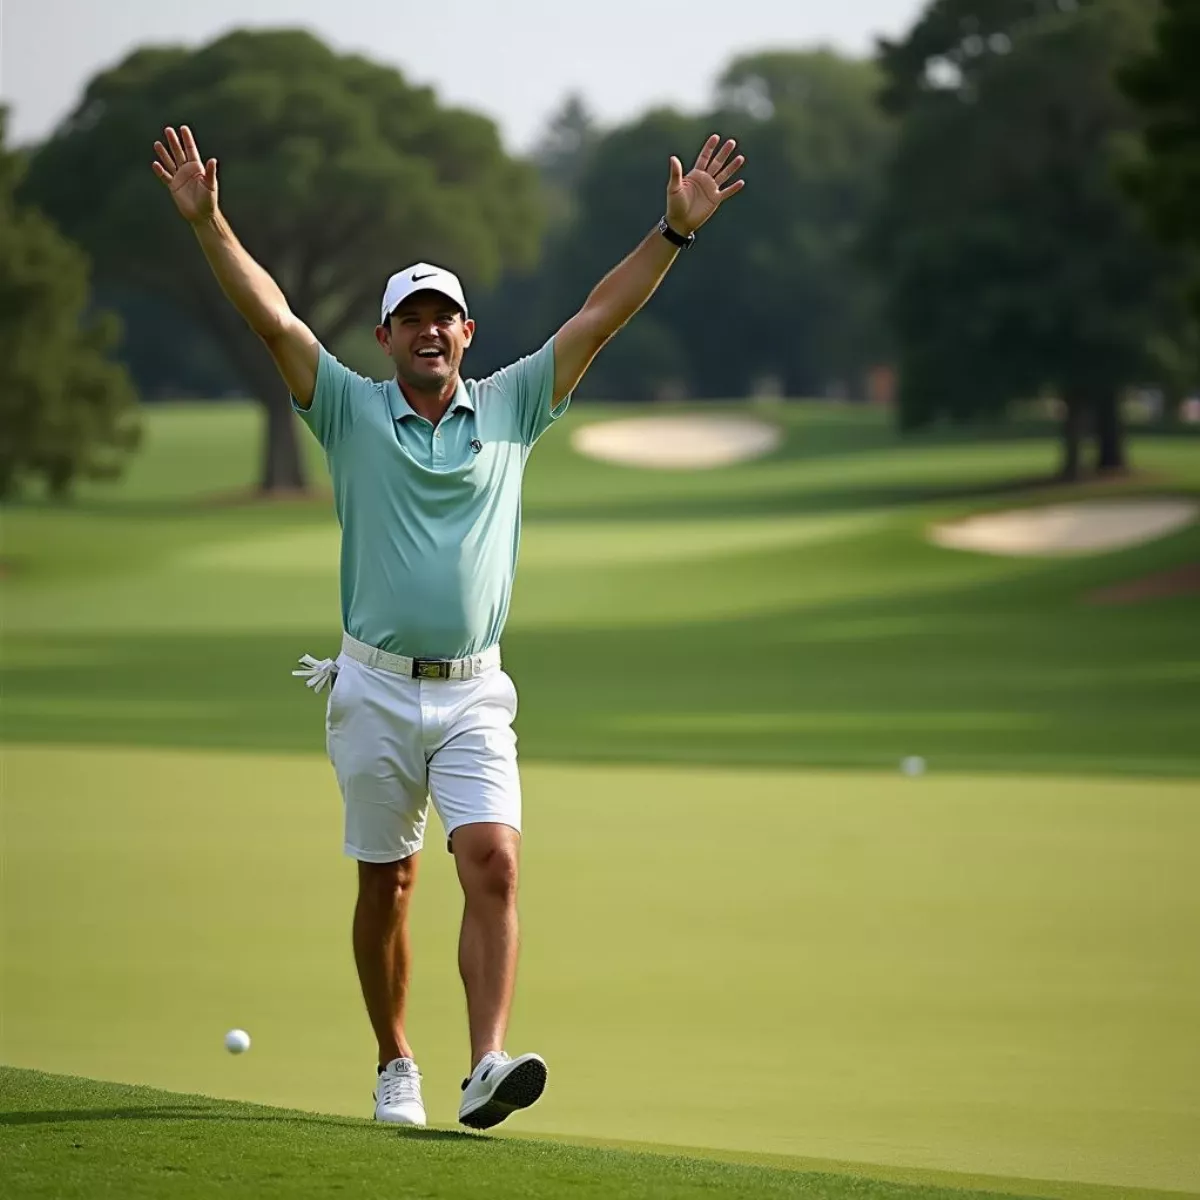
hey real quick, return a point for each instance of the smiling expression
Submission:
(425, 338)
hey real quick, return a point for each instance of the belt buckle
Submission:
(431, 668)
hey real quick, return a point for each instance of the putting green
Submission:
(981, 974)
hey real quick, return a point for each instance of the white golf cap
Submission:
(421, 277)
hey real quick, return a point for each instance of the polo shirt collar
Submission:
(400, 407)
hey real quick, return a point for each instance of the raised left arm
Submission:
(691, 200)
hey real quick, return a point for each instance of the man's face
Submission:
(425, 338)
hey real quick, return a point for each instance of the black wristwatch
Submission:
(676, 239)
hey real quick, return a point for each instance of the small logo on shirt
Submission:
(476, 445)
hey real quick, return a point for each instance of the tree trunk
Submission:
(1110, 434)
(282, 464)
(1074, 430)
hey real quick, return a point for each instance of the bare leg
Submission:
(381, 950)
(487, 855)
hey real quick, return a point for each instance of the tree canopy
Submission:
(1012, 258)
(952, 42)
(817, 141)
(1165, 83)
(335, 172)
(774, 293)
(562, 152)
(67, 410)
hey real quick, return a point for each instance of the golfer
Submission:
(426, 474)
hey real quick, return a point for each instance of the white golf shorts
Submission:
(396, 742)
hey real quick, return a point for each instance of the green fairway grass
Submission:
(66, 1138)
(977, 974)
(744, 928)
(787, 611)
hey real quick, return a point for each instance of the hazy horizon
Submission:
(514, 61)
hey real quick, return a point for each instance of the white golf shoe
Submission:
(398, 1094)
(499, 1086)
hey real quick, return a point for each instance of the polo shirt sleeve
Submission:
(532, 382)
(332, 410)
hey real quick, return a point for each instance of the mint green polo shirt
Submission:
(431, 518)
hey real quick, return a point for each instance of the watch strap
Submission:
(676, 239)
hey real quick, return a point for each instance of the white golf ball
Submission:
(914, 764)
(237, 1041)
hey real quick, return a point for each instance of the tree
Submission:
(166, 353)
(562, 153)
(67, 410)
(516, 311)
(1012, 259)
(1166, 84)
(951, 43)
(813, 133)
(626, 173)
(335, 171)
(777, 293)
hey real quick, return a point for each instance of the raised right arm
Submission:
(193, 186)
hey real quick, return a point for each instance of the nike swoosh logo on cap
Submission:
(427, 275)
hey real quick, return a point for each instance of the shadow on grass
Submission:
(215, 1112)
(790, 500)
(1048, 678)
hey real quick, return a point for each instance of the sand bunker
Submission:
(677, 442)
(1088, 527)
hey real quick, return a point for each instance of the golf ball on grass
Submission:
(237, 1041)
(914, 764)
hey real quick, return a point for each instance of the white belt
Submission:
(317, 672)
(421, 668)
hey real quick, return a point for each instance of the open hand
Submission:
(191, 182)
(694, 197)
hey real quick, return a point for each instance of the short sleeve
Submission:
(531, 382)
(331, 412)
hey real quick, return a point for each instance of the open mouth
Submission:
(431, 354)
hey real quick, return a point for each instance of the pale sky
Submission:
(512, 59)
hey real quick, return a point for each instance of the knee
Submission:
(386, 885)
(493, 875)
